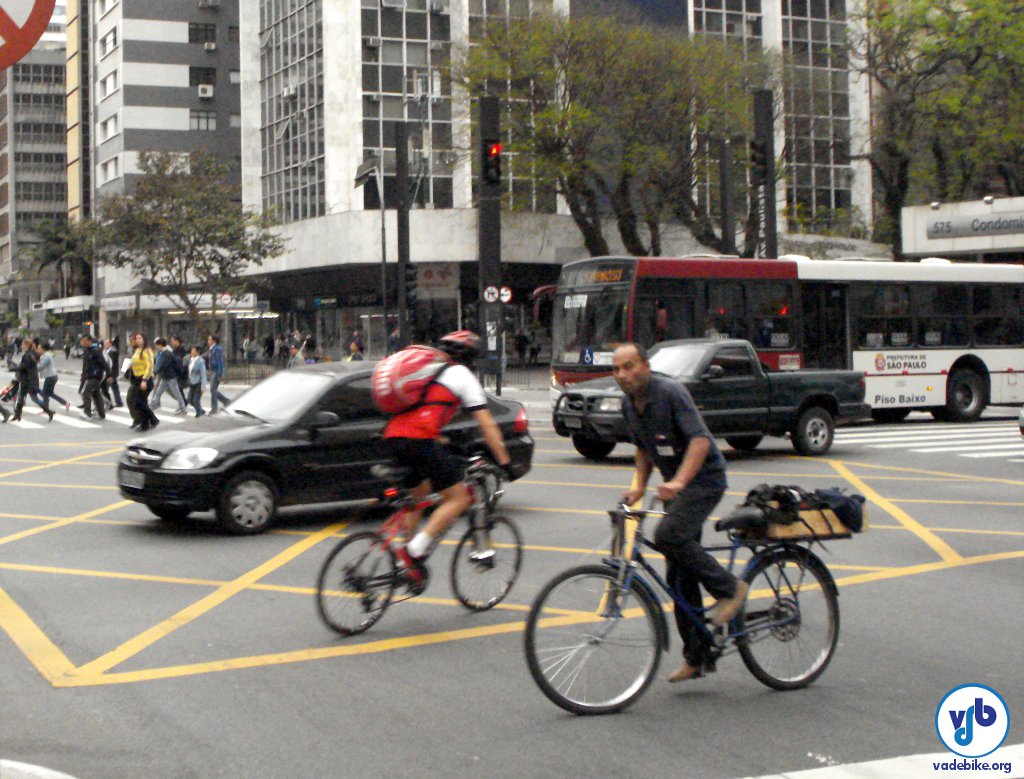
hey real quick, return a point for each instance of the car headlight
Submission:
(609, 405)
(190, 458)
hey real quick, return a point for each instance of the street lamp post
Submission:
(372, 167)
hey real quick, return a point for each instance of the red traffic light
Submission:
(494, 150)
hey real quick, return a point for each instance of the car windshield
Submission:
(279, 397)
(678, 361)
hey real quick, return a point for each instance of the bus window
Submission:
(588, 321)
(883, 315)
(771, 306)
(726, 312)
(663, 319)
(997, 312)
(941, 314)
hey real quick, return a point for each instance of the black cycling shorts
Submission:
(428, 459)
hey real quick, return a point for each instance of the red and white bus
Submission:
(935, 335)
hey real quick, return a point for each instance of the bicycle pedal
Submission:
(482, 557)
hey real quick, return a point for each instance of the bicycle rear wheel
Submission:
(356, 584)
(486, 563)
(790, 624)
(592, 647)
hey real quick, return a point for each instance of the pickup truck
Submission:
(739, 399)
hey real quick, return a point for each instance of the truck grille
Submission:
(575, 403)
(143, 458)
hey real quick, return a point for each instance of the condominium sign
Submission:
(22, 24)
(976, 226)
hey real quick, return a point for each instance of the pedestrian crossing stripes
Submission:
(34, 420)
(976, 441)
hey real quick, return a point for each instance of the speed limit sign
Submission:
(22, 24)
(505, 294)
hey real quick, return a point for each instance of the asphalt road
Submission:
(134, 648)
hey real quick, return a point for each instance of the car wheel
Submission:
(591, 448)
(890, 416)
(813, 433)
(169, 513)
(744, 443)
(247, 504)
(966, 396)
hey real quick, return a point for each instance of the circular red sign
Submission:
(18, 40)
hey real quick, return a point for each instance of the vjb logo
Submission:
(972, 720)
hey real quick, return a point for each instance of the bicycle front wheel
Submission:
(356, 583)
(592, 646)
(788, 629)
(486, 563)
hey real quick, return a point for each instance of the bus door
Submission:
(825, 326)
(664, 313)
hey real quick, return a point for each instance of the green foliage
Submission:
(608, 113)
(948, 90)
(183, 231)
(61, 250)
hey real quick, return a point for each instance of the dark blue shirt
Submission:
(664, 431)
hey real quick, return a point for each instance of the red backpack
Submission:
(400, 382)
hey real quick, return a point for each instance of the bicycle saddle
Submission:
(744, 518)
(393, 474)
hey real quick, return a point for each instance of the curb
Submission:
(12, 770)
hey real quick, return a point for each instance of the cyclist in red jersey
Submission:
(413, 440)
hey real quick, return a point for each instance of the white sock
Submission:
(419, 545)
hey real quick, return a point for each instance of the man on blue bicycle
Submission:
(669, 433)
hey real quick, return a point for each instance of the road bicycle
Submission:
(360, 577)
(595, 633)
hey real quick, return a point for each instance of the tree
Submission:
(184, 233)
(947, 100)
(61, 249)
(616, 117)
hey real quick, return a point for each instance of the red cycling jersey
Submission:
(456, 387)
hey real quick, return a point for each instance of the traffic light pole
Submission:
(489, 237)
(764, 142)
(402, 185)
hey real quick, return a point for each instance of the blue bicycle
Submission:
(595, 633)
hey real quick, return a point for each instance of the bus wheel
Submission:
(591, 448)
(888, 416)
(965, 396)
(813, 432)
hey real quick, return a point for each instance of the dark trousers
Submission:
(23, 393)
(195, 395)
(687, 564)
(138, 405)
(91, 394)
(48, 386)
(115, 390)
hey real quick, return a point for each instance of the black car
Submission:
(302, 436)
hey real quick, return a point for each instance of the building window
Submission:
(108, 128)
(108, 43)
(202, 120)
(236, 120)
(108, 170)
(202, 33)
(234, 77)
(197, 76)
(108, 85)
(105, 5)
(233, 34)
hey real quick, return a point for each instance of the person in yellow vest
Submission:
(140, 379)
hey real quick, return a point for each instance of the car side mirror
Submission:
(325, 419)
(713, 372)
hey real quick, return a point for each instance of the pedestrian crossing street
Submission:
(979, 441)
(31, 418)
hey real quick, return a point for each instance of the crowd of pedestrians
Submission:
(166, 367)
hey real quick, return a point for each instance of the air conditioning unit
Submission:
(373, 98)
(289, 92)
(206, 91)
(436, 46)
(437, 7)
(210, 46)
(372, 43)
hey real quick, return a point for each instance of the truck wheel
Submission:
(744, 443)
(813, 433)
(591, 448)
(247, 504)
(966, 397)
(889, 416)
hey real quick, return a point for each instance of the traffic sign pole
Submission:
(491, 313)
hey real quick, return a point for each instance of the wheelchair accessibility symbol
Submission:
(588, 356)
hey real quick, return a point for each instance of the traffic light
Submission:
(491, 163)
(758, 162)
